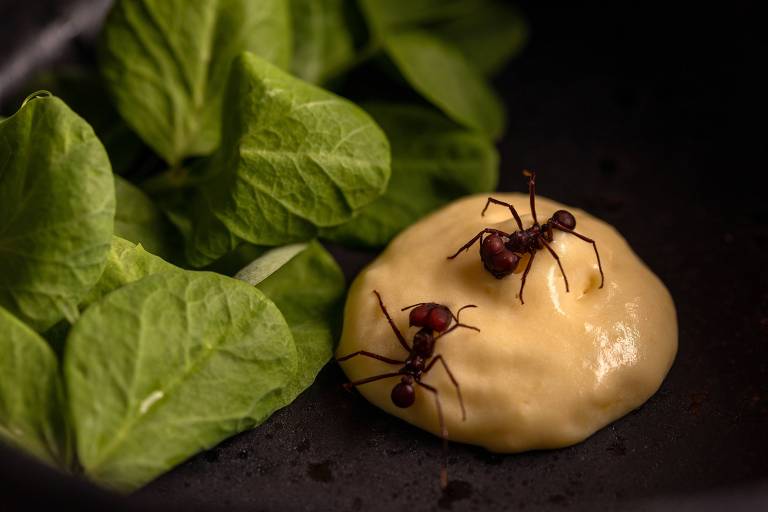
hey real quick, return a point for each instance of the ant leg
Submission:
(532, 192)
(392, 324)
(443, 434)
(557, 259)
(476, 238)
(589, 240)
(453, 380)
(468, 244)
(511, 209)
(349, 385)
(371, 355)
(525, 275)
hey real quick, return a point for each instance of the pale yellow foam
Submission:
(544, 374)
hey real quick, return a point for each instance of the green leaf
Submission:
(235, 260)
(126, 263)
(441, 74)
(32, 403)
(294, 157)
(387, 16)
(322, 41)
(268, 263)
(434, 161)
(309, 290)
(171, 365)
(84, 92)
(442, 46)
(138, 219)
(487, 32)
(166, 63)
(206, 238)
(57, 204)
(488, 35)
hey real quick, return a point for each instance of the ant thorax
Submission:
(424, 343)
(414, 366)
(527, 240)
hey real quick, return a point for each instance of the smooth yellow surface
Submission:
(545, 374)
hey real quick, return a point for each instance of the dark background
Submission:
(649, 116)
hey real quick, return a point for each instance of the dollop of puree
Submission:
(545, 374)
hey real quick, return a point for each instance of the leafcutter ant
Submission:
(501, 252)
(434, 322)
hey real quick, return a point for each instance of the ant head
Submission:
(493, 244)
(435, 316)
(564, 218)
(403, 395)
(498, 260)
(423, 342)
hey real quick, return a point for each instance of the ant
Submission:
(434, 321)
(501, 252)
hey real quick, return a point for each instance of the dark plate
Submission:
(640, 116)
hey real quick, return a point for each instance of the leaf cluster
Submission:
(114, 361)
(119, 356)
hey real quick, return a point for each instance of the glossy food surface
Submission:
(544, 374)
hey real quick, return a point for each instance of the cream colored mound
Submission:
(545, 374)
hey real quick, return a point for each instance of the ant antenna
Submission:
(414, 305)
(531, 175)
(458, 324)
(462, 308)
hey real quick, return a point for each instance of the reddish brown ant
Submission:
(431, 318)
(501, 252)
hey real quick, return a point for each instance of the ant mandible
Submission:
(434, 321)
(501, 252)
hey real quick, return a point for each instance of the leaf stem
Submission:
(174, 178)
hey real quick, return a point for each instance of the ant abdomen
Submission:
(403, 394)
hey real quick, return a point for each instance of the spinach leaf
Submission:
(126, 263)
(166, 64)
(234, 261)
(138, 219)
(31, 394)
(168, 366)
(433, 162)
(385, 16)
(294, 157)
(268, 263)
(303, 280)
(433, 65)
(57, 204)
(442, 75)
(206, 238)
(322, 41)
(84, 92)
(309, 290)
(488, 34)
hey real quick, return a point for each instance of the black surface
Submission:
(641, 116)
